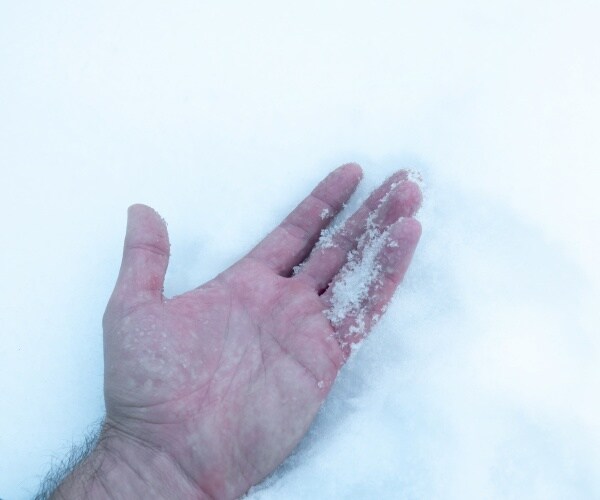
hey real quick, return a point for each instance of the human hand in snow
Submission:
(208, 392)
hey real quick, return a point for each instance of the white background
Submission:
(481, 381)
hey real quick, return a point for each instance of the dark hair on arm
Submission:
(60, 469)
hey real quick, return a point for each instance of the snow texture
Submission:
(361, 273)
(481, 379)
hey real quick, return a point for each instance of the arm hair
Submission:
(60, 469)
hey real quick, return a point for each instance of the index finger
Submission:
(290, 242)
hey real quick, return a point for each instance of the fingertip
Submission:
(351, 168)
(146, 228)
(396, 177)
(411, 197)
(339, 185)
(349, 175)
(406, 230)
(139, 211)
(403, 201)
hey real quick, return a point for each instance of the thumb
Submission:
(145, 259)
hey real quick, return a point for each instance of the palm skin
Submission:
(226, 379)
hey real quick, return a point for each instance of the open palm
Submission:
(227, 378)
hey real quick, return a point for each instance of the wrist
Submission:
(121, 467)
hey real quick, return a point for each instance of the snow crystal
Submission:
(351, 289)
(325, 213)
(362, 271)
(327, 236)
(416, 177)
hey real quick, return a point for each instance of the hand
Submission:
(225, 379)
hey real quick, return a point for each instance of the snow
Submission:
(357, 277)
(325, 214)
(481, 379)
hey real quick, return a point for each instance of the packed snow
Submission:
(480, 380)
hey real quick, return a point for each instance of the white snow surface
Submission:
(481, 380)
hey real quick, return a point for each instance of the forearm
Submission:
(121, 468)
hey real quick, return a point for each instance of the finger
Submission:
(145, 258)
(360, 293)
(395, 198)
(293, 239)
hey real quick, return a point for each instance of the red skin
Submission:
(223, 381)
